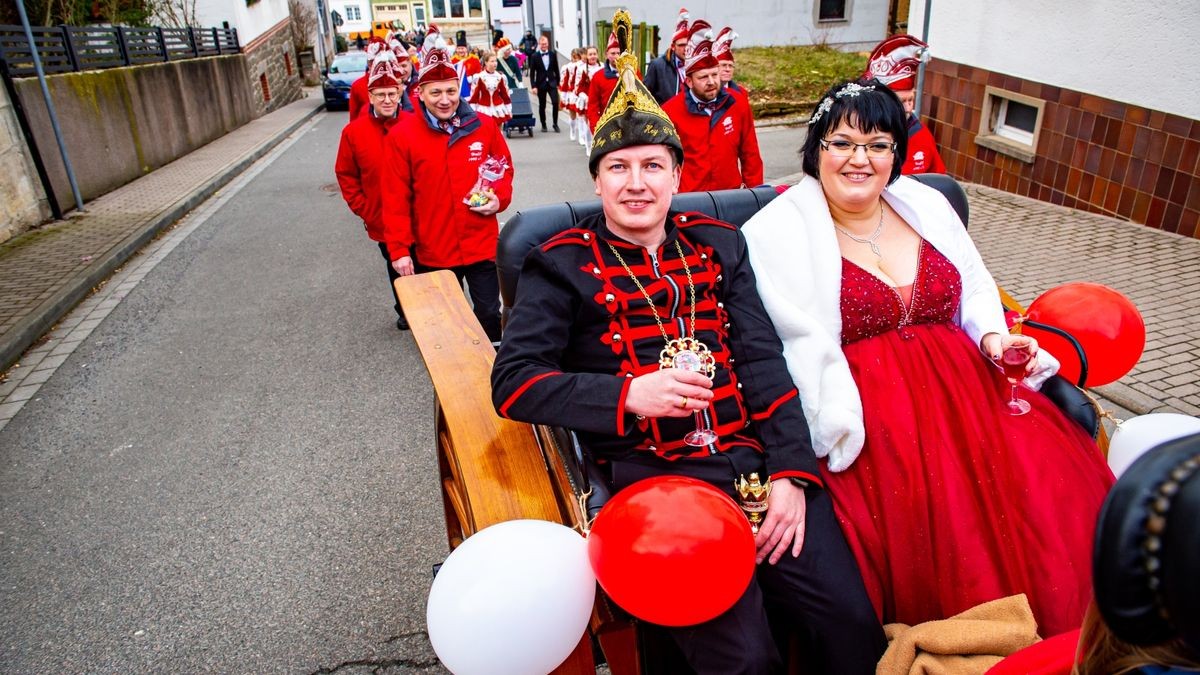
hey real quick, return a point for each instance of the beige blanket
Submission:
(966, 644)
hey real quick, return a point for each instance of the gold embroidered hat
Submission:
(632, 116)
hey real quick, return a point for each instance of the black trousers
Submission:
(820, 593)
(393, 275)
(483, 285)
(551, 91)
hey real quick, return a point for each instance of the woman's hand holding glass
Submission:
(1016, 355)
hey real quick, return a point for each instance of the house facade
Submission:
(845, 24)
(1090, 104)
(264, 30)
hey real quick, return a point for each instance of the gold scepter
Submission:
(753, 494)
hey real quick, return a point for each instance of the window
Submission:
(1010, 123)
(437, 8)
(353, 13)
(831, 10)
(456, 9)
(475, 9)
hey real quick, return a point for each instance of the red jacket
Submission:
(358, 97)
(720, 152)
(923, 156)
(359, 160)
(599, 90)
(427, 174)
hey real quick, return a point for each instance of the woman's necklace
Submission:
(869, 241)
(685, 353)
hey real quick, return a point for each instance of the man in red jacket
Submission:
(360, 155)
(894, 62)
(603, 83)
(716, 127)
(431, 164)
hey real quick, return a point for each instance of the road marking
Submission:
(40, 362)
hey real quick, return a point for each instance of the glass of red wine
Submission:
(1013, 362)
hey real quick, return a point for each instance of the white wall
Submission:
(364, 10)
(250, 21)
(511, 20)
(1143, 53)
(761, 22)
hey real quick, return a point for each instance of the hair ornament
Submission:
(848, 89)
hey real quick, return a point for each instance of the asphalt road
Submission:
(234, 473)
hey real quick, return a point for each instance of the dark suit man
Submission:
(543, 79)
(664, 75)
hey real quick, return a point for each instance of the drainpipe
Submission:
(924, 60)
(41, 74)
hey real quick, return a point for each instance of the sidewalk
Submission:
(46, 272)
(1031, 246)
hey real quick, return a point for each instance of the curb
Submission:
(30, 329)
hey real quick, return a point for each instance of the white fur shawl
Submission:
(795, 256)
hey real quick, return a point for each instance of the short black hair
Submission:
(874, 108)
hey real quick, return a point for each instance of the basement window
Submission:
(1010, 123)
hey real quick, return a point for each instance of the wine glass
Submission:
(690, 361)
(1013, 362)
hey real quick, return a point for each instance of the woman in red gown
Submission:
(892, 327)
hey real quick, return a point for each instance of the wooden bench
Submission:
(492, 469)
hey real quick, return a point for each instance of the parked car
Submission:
(336, 81)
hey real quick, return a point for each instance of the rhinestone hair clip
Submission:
(849, 89)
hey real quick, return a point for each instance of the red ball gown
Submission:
(954, 502)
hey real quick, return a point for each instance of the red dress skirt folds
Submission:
(954, 502)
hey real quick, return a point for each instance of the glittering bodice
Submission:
(871, 307)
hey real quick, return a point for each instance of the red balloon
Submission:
(673, 551)
(1106, 323)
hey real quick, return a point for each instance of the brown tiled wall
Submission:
(1093, 153)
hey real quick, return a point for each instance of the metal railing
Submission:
(65, 49)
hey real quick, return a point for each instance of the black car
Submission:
(345, 69)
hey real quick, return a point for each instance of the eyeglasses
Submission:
(385, 95)
(842, 148)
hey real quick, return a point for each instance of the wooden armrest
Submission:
(496, 462)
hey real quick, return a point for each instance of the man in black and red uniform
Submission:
(360, 154)
(597, 304)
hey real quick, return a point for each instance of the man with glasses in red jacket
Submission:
(360, 154)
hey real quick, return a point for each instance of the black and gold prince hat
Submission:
(632, 116)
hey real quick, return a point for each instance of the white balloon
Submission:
(1136, 435)
(514, 598)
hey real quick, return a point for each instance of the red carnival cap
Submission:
(723, 45)
(681, 28)
(435, 66)
(382, 71)
(374, 45)
(700, 47)
(895, 61)
(612, 42)
(433, 38)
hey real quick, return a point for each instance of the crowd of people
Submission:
(854, 331)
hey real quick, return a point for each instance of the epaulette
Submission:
(576, 235)
(693, 218)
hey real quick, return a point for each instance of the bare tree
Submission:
(174, 13)
(304, 24)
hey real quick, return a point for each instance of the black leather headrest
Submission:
(1146, 564)
(955, 194)
(533, 227)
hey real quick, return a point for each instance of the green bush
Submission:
(789, 80)
(340, 45)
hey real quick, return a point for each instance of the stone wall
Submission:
(269, 58)
(22, 201)
(121, 123)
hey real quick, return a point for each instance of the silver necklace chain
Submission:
(869, 241)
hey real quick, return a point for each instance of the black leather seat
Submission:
(530, 228)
